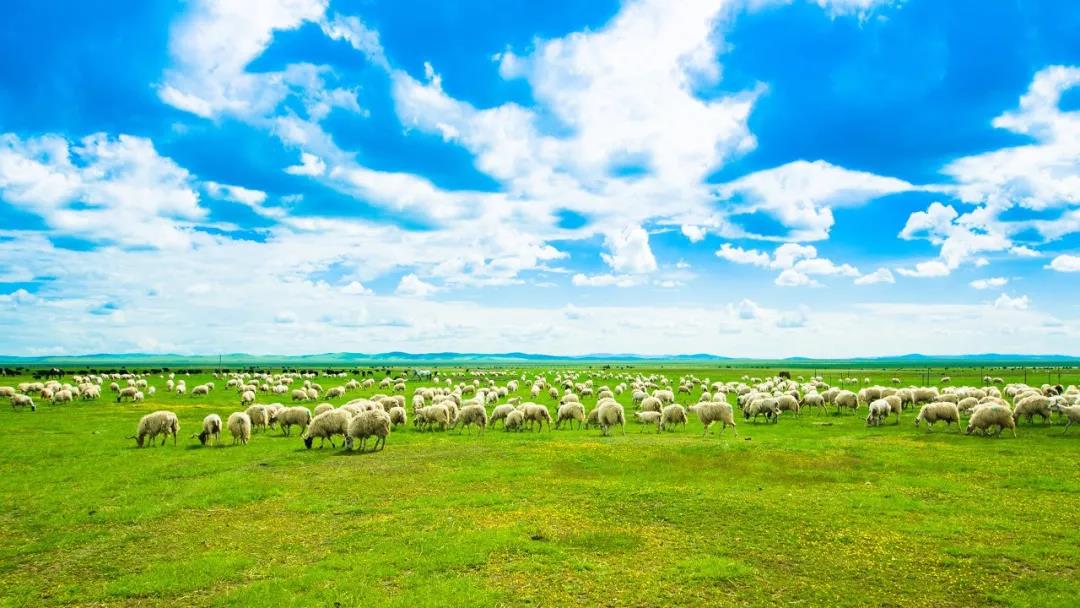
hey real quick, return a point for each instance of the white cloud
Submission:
(605, 280)
(413, 286)
(630, 251)
(881, 275)
(285, 317)
(356, 288)
(1065, 263)
(925, 270)
(1018, 303)
(794, 278)
(310, 165)
(693, 233)
(743, 256)
(1024, 252)
(796, 263)
(860, 8)
(101, 188)
(990, 283)
(801, 195)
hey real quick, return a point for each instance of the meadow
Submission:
(816, 510)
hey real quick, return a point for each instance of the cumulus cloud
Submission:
(605, 280)
(102, 188)
(1065, 263)
(926, 270)
(801, 195)
(990, 283)
(693, 233)
(1006, 302)
(310, 165)
(630, 251)
(881, 275)
(795, 261)
(413, 286)
(356, 288)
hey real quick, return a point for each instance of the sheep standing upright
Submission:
(240, 428)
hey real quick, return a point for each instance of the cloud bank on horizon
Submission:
(758, 178)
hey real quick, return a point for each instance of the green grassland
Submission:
(812, 511)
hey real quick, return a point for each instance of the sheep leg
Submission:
(1068, 423)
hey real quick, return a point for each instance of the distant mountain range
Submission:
(352, 359)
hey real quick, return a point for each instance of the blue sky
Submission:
(742, 177)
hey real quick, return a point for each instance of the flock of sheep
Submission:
(445, 403)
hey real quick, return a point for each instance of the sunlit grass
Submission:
(793, 513)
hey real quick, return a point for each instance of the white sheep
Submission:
(23, 401)
(500, 413)
(398, 416)
(471, 415)
(246, 398)
(326, 425)
(211, 429)
(672, 416)
(372, 423)
(649, 417)
(431, 415)
(608, 414)
(1035, 405)
(514, 421)
(161, 422)
(937, 411)
(1071, 412)
(260, 418)
(536, 413)
(240, 428)
(983, 418)
(846, 399)
(570, 412)
(323, 407)
(289, 417)
(709, 412)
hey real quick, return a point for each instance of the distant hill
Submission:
(397, 357)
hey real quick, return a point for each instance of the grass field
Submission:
(812, 511)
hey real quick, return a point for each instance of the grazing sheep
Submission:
(570, 412)
(473, 415)
(372, 423)
(983, 418)
(334, 393)
(650, 417)
(23, 401)
(431, 415)
(240, 428)
(247, 398)
(299, 394)
(325, 426)
(766, 407)
(63, 396)
(211, 429)
(202, 390)
(260, 418)
(672, 416)
(937, 411)
(323, 407)
(397, 416)
(709, 412)
(296, 415)
(592, 419)
(128, 391)
(535, 413)
(846, 399)
(651, 404)
(879, 411)
(1035, 405)
(609, 414)
(161, 422)
(514, 421)
(500, 412)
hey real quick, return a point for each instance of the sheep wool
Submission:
(240, 428)
(162, 422)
